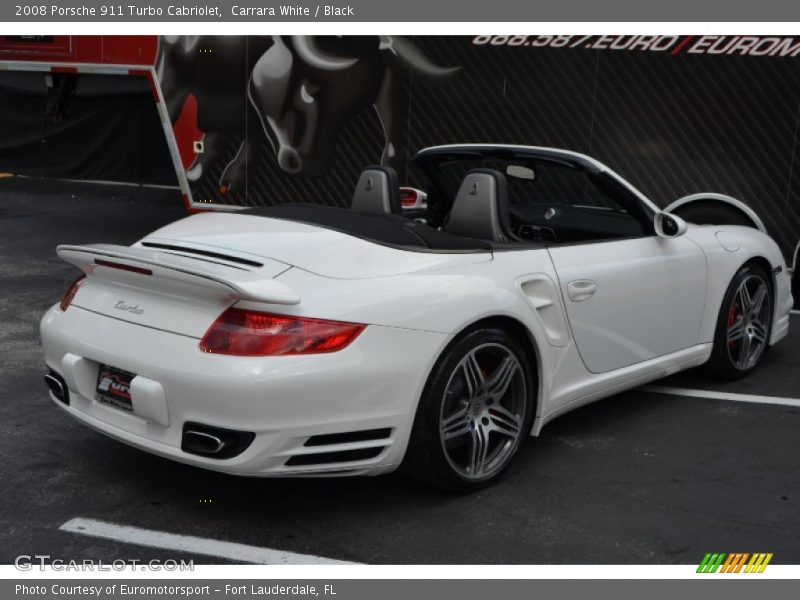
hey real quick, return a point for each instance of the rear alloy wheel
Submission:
(744, 324)
(474, 414)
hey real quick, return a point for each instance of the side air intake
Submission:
(544, 298)
(344, 447)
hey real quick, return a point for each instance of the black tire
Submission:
(725, 363)
(426, 458)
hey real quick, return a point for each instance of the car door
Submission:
(631, 300)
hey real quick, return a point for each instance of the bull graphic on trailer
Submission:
(298, 92)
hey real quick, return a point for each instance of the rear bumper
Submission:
(373, 384)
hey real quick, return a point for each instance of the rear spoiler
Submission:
(242, 283)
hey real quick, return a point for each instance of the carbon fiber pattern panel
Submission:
(670, 124)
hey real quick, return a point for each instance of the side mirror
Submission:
(669, 226)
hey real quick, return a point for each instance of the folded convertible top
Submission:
(393, 230)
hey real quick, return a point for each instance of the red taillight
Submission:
(66, 299)
(250, 333)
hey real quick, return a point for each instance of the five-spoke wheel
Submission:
(748, 316)
(476, 409)
(482, 411)
(744, 324)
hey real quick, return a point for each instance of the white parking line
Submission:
(195, 545)
(795, 312)
(673, 391)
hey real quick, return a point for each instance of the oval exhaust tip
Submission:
(202, 443)
(57, 386)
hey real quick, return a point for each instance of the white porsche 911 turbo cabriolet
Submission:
(310, 340)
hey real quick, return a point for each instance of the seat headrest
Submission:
(378, 190)
(480, 209)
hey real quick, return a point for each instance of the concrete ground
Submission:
(638, 478)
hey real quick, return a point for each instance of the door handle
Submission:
(581, 289)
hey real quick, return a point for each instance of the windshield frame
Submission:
(439, 204)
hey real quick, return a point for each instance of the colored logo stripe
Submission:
(735, 562)
(759, 561)
(710, 563)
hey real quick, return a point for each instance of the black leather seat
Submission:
(378, 190)
(480, 209)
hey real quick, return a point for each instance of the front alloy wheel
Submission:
(743, 325)
(748, 316)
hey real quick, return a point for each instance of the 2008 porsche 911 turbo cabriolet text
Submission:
(311, 340)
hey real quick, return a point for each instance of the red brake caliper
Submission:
(731, 321)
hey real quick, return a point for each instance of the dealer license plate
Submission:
(114, 387)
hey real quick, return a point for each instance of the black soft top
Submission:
(385, 229)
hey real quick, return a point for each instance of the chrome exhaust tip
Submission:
(57, 386)
(199, 442)
(214, 442)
